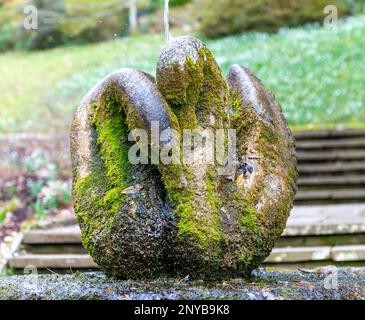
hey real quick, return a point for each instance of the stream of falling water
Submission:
(166, 21)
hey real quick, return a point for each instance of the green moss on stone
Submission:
(113, 142)
(214, 97)
(194, 93)
(248, 219)
(98, 197)
(197, 91)
(88, 203)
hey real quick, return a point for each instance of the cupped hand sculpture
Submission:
(178, 219)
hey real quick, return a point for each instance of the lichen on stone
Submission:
(262, 285)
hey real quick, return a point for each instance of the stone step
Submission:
(350, 180)
(331, 144)
(68, 234)
(331, 168)
(327, 134)
(348, 253)
(322, 156)
(324, 220)
(52, 261)
(343, 226)
(331, 195)
(321, 240)
(58, 248)
(290, 255)
(326, 253)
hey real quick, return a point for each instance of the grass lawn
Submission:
(318, 75)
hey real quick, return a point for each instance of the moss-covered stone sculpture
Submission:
(145, 221)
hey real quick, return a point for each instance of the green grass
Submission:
(318, 75)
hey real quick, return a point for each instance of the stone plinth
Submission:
(327, 283)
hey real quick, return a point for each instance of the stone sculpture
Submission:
(147, 221)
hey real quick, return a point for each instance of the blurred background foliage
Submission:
(62, 22)
(225, 17)
(316, 73)
(87, 21)
(74, 21)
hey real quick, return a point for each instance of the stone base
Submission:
(326, 283)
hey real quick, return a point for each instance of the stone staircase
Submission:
(331, 166)
(327, 224)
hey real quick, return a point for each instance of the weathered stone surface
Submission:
(142, 221)
(326, 283)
